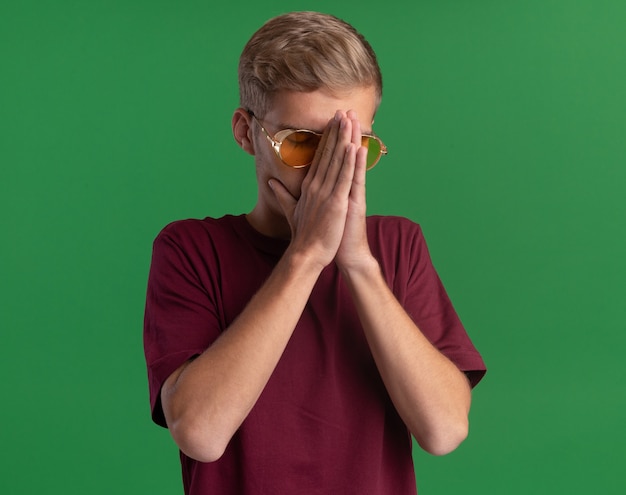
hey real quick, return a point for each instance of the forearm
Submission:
(430, 393)
(206, 401)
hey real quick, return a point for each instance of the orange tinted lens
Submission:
(373, 150)
(298, 148)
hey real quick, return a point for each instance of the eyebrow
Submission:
(284, 125)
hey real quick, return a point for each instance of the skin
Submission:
(321, 209)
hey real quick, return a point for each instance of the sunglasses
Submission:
(296, 147)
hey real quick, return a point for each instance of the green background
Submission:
(505, 122)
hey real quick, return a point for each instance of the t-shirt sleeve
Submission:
(430, 307)
(181, 317)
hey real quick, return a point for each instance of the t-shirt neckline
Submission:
(260, 241)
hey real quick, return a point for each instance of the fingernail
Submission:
(338, 115)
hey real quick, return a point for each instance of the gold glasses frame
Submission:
(277, 140)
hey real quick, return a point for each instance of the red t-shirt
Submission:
(324, 422)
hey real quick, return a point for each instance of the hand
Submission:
(354, 248)
(318, 218)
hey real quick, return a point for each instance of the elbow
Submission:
(444, 439)
(197, 441)
(198, 433)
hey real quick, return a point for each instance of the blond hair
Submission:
(305, 51)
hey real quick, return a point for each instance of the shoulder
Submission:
(196, 239)
(392, 228)
(397, 242)
(195, 230)
(195, 244)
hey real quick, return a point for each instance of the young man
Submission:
(297, 348)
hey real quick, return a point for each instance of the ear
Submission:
(242, 130)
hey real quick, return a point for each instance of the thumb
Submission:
(286, 201)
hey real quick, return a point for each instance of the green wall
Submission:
(506, 126)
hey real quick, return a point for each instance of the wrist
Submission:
(305, 261)
(366, 267)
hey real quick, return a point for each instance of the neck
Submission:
(269, 223)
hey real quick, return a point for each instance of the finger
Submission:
(356, 127)
(342, 185)
(360, 167)
(285, 200)
(361, 158)
(321, 160)
(340, 156)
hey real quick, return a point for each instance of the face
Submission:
(295, 110)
